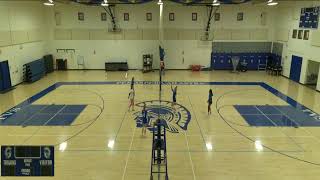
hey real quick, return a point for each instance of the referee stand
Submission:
(159, 164)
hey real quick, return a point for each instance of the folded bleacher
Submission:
(33, 71)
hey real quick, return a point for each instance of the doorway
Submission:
(312, 74)
(295, 70)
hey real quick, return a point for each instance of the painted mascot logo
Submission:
(172, 119)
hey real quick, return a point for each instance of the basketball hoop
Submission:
(206, 36)
(114, 29)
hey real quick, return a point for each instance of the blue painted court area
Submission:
(44, 115)
(270, 115)
(27, 114)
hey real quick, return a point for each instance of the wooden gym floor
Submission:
(220, 146)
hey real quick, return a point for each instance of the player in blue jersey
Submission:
(132, 83)
(174, 96)
(144, 120)
(210, 101)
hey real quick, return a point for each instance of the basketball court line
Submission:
(282, 96)
(110, 135)
(196, 118)
(190, 158)
(294, 142)
(38, 129)
(182, 151)
(304, 129)
(124, 135)
(117, 133)
(32, 115)
(219, 151)
(129, 151)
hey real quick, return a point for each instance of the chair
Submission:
(279, 70)
(270, 64)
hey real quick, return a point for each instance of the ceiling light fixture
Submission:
(272, 3)
(216, 3)
(49, 3)
(105, 3)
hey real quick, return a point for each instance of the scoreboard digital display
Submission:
(27, 160)
(309, 17)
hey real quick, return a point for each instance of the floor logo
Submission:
(173, 119)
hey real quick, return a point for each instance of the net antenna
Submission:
(207, 35)
(110, 9)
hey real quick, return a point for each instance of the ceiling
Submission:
(98, 2)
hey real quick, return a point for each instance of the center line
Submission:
(194, 175)
(125, 167)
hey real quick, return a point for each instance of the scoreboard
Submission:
(27, 160)
(309, 17)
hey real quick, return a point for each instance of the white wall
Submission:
(96, 52)
(318, 83)
(28, 31)
(182, 36)
(21, 35)
(18, 55)
(288, 15)
(33, 26)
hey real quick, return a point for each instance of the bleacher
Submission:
(34, 70)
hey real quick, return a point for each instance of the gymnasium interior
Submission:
(121, 89)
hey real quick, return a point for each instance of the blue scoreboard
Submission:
(309, 17)
(27, 160)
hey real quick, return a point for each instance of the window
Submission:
(80, 16)
(171, 16)
(149, 16)
(240, 16)
(294, 34)
(126, 16)
(194, 16)
(103, 16)
(217, 16)
(300, 34)
(306, 35)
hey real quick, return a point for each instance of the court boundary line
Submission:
(252, 140)
(56, 85)
(196, 118)
(302, 127)
(190, 158)
(182, 151)
(294, 142)
(39, 127)
(129, 152)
